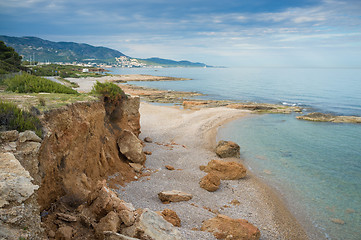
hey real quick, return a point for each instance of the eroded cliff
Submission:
(81, 148)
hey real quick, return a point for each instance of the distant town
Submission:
(123, 62)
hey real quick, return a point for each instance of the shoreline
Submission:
(196, 130)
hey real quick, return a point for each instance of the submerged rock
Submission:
(226, 149)
(224, 227)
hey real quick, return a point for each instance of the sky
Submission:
(269, 33)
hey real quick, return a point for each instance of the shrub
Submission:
(109, 91)
(13, 118)
(27, 83)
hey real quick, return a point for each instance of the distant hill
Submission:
(47, 51)
(44, 50)
(171, 63)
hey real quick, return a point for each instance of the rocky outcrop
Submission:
(82, 146)
(19, 210)
(210, 182)
(174, 196)
(322, 117)
(226, 149)
(225, 170)
(224, 227)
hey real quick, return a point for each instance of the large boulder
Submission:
(226, 149)
(149, 225)
(210, 182)
(174, 196)
(225, 170)
(131, 147)
(224, 227)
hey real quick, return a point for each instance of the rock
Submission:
(15, 181)
(322, 117)
(226, 149)
(136, 166)
(66, 217)
(169, 167)
(116, 236)
(9, 136)
(104, 200)
(171, 217)
(224, 227)
(64, 233)
(111, 222)
(131, 147)
(148, 140)
(147, 153)
(127, 217)
(338, 221)
(29, 136)
(210, 182)
(149, 225)
(51, 234)
(174, 196)
(225, 170)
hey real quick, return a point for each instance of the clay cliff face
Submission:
(81, 148)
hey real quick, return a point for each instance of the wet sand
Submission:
(185, 139)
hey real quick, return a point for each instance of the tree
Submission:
(10, 61)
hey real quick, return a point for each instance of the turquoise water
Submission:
(315, 166)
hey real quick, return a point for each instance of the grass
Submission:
(110, 92)
(27, 83)
(13, 118)
(48, 102)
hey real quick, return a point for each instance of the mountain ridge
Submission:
(38, 49)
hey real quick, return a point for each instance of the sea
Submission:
(314, 166)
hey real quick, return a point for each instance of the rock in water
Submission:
(224, 227)
(225, 170)
(226, 149)
(149, 225)
(174, 196)
(148, 140)
(210, 182)
(131, 147)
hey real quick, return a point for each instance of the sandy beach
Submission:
(185, 139)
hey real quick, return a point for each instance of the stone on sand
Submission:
(224, 227)
(226, 149)
(210, 182)
(174, 196)
(225, 170)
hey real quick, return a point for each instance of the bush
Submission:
(109, 91)
(13, 118)
(27, 83)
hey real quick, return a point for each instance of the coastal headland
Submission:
(88, 142)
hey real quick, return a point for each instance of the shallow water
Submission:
(316, 166)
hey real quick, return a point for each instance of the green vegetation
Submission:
(27, 83)
(10, 61)
(63, 71)
(110, 92)
(13, 118)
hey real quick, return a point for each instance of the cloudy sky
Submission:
(315, 33)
